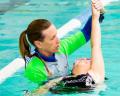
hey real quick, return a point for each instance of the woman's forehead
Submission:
(50, 31)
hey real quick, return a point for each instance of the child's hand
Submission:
(97, 6)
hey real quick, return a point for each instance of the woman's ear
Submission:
(38, 44)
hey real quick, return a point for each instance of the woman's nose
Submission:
(57, 40)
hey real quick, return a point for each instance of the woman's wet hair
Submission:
(33, 33)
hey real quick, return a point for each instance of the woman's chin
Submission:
(55, 50)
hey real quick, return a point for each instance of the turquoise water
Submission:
(15, 18)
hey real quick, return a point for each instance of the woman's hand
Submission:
(97, 6)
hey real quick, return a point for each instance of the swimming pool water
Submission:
(15, 19)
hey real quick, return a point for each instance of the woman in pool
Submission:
(87, 72)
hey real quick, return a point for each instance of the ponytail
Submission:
(31, 34)
(24, 45)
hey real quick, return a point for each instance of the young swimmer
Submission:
(96, 68)
(91, 75)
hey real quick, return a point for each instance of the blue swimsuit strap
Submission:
(45, 58)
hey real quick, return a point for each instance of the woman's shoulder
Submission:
(35, 70)
(34, 61)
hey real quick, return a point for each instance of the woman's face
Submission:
(81, 66)
(51, 41)
(50, 44)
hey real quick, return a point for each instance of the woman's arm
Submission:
(44, 89)
(97, 64)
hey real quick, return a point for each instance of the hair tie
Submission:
(27, 37)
